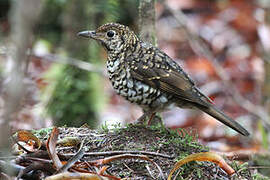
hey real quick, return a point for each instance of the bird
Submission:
(145, 75)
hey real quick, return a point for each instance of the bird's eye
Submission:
(110, 33)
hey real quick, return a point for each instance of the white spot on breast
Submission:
(137, 98)
(146, 101)
(130, 83)
(145, 95)
(145, 88)
(152, 90)
(113, 66)
(163, 99)
(131, 93)
(123, 93)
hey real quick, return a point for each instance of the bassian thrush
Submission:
(145, 75)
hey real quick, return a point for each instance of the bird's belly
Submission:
(134, 90)
(142, 94)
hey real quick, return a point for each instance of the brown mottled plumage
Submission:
(145, 75)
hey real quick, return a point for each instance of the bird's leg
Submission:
(146, 114)
(151, 117)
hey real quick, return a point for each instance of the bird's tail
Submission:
(220, 116)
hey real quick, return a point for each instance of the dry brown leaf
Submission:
(203, 156)
(51, 148)
(69, 141)
(29, 138)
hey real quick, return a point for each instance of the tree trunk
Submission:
(147, 21)
(24, 16)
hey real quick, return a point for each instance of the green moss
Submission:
(259, 177)
(264, 162)
(243, 171)
(43, 133)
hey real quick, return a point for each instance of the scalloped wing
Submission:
(169, 81)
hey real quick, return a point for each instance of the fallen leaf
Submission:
(51, 148)
(29, 138)
(203, 156)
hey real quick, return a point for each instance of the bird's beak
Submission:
(87, 34)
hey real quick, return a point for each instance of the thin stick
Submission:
(109, 153)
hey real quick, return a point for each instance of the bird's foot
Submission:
(142, 119)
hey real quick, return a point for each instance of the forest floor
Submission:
(135, 152)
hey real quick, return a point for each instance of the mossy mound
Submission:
(172, 145)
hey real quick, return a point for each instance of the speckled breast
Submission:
(133, 90)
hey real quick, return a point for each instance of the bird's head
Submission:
(113, 37)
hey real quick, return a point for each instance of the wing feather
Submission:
(168, 80)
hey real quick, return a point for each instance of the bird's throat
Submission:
(105, 46)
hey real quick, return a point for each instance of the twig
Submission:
(74, 62)
(201, 49)
(74, 175)
(8, 158)
(107, 160)
(10, 167)
(38, 159)
(259, 167)
(36, 165)
(66, 60)
(129, 168)
(73, 160)
(109, 153)
(149, 171)
(243, 155)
